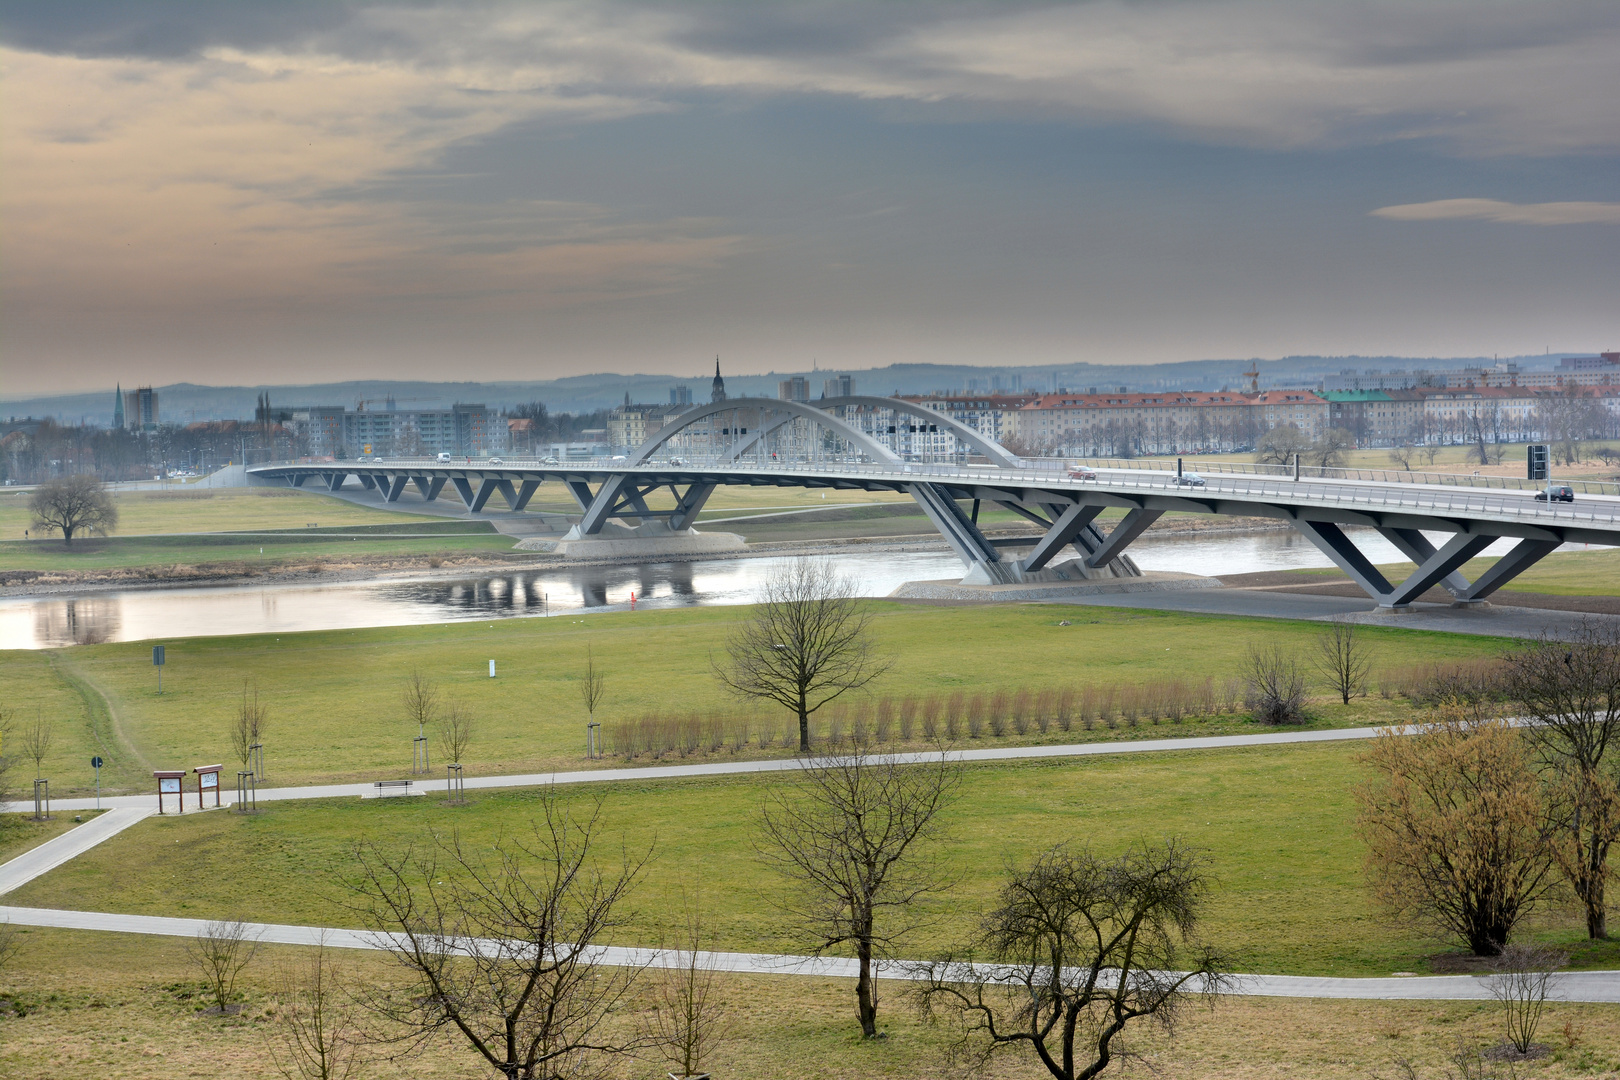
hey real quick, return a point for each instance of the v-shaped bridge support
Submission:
(621, 497)
(1440, 566)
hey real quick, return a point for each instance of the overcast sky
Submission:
(290, 192)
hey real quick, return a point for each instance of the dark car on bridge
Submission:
(1556, 493)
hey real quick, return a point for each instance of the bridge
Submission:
(873, 444)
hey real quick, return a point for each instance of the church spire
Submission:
(118, 406)
(718, 390)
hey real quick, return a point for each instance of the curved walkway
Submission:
(728, 768)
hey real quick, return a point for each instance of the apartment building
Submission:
(1165, 422)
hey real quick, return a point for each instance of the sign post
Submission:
(169, 784)
(95, 763)
(157, 662)
(207, 780)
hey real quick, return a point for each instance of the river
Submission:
(145, 614)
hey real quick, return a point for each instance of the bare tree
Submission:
(1078, 948)
(421, 699)
(73, 504)
(806, 642)
(1329, 451)
(1454, 827)
(1343, 657)
(318, 1036)
(1570, 690)
(10, 944)
(1521, 985)
(849, 833)
(592, 685)
(688, 1021)
(503, 949)
(1275, 685)
(1402, 455)
(221, 949)
(455, 732)
(6, 718)
(248, 728)
(38, 736)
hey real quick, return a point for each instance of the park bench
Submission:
(387, 788)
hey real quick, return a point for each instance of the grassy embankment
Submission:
(334, 696)
(274, 528)
(1276, 824)
(122, 1007)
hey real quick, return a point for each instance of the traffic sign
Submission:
(95, 762)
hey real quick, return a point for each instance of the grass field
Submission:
(120, 1007)
(334, 697)
(1274, 822)
(215, 510)
(249, 553)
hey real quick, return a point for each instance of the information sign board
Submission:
(169, 785)
(208, 780)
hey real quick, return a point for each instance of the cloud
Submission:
(1549, 213)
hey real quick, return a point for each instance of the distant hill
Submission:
(185, 402)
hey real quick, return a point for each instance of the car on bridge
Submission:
(1082, 472)
(1556, 493)
(1191, 479)
(444, 458)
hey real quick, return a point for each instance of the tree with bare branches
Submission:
(37, 737)
(851, 835)
(248, 728)
(1521, 986)
(456, 729)
(592, 685)
(220, 951)
(688, 1021)
(500, 946)
(1275, 685)
(318, 1037)
(1570, 691)
(421, 700)
(71, 505)
(1077, 949)
(807, 641)
(1344, 659)
(1454, 825)
(6, 720)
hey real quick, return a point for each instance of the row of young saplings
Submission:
(958, 715)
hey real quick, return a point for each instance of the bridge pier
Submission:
(1440, 566)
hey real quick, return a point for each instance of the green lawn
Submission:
(1275, 823)
(214, 510)
(261, 550)
(334, 697)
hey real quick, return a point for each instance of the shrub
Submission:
(1275, 685)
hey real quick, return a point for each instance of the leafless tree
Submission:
(38, 736)
(501, 946)
(592, 685)
(455, 732)
(1521, 985)
(421, 699)
(1570, 690)
(6, 720)
(688, 1021)
(10, 944)
(220, 951)
(73, 504)
(1344, 659)
(318, 1037)
(806, 642)
(248, 728)
(1329, 451)
(1275, 685)
(1279, 445)
(1402, 455)
(851, 834)
(1077, 948)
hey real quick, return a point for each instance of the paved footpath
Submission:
(1593, 986)
(731, 768)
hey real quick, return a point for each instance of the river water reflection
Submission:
(139, 615)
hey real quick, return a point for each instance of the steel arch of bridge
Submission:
(624, 496)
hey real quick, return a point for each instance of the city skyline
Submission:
(321, 192)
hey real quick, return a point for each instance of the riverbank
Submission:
(335, 565)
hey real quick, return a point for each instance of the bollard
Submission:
(492, 669)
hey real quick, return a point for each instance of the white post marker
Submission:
(492, 669)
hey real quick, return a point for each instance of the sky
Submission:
(307, 191)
